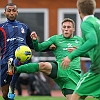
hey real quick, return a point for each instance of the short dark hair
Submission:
(11, 4)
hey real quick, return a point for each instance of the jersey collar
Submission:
(12, 22)
(87, 17)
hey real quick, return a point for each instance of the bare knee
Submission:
(42, 65)
(45, 67)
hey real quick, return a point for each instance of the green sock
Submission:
(27, 68)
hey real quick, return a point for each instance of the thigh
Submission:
(89, 85)
(67, 80)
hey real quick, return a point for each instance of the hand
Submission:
(33, 35)
(65, 63)
(52, 47)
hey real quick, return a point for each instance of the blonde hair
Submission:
(86, 7)
(69, 20)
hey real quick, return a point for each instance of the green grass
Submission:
(42, 98)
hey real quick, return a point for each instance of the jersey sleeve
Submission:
(44, 45)
(90, 37)
(28, 39)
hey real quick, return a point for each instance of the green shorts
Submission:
(89, 85)
(66, 79)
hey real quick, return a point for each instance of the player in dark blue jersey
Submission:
(12, 35)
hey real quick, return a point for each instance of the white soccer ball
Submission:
(23, 53)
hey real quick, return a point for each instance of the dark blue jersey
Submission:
(13, 35)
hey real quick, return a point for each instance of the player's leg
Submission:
(68, 93)
(87, 86)
(68, 96)
(75, 97)
(14, 76)
(27, 68)
(11, 64)
(44, 67)
(70, 79)
(11, 93)
(5, 81)
(5, 90)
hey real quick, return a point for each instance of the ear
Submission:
(73, 29)
(17, 12)
(79, 11)
(5, 13)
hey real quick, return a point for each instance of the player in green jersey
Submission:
(89, 84)
(65, 43)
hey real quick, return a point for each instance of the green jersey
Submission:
(91, 34)
(62, 44)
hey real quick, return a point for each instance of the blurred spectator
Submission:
(36, 84)
(85, 65)
(39, 85)
(22, 80)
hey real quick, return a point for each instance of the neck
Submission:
(82, 16)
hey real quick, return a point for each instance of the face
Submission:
(67, 29)
(11, 13)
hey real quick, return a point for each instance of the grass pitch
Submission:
(42, 98)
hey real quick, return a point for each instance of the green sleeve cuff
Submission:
(34, 41)
(70, 57)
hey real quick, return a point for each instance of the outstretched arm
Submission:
(44, 46)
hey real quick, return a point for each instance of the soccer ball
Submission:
(23, 53)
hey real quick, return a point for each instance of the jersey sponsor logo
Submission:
(15, 26)
(18, 38)
(65, 48)
(69, 45)
(12, 39)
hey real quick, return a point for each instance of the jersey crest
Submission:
(22, 30)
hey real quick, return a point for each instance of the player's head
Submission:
(68, 27)
(86, 7)
(11, 11)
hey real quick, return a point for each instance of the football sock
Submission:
(27, 68)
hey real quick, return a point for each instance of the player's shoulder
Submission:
(3, 24)
(23, 24)
(78, 37)
(56, 36)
